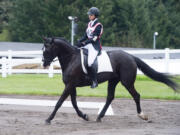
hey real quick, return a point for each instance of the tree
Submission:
(128, 23)
(5, 8)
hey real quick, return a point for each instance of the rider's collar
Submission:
(92, 22)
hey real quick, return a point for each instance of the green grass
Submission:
(36, 84)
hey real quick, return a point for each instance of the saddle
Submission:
(102, 62)
(85, 54)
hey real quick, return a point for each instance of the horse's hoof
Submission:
(98, 120)
(47, 122)
(86, 117)
(143, 116)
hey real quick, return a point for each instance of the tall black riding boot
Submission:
(93, 76)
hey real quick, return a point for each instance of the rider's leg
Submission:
(92, 71)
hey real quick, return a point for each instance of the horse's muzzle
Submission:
(46, 65)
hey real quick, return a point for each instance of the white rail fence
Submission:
(166, 65)
(12, 58)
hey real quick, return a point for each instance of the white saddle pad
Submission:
(104, 64)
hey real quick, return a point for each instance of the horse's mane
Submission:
(66, 42)
(63, 39)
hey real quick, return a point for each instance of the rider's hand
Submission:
(83, 43)
(78, 44)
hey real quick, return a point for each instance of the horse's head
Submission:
(49, 51)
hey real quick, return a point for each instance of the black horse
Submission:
(124, 70)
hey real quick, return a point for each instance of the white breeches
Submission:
(92, 54)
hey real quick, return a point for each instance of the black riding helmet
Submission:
(93, 11)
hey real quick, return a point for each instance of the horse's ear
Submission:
(44, 38)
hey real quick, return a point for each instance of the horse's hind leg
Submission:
(74, 103)
(136, 97)
(111, 89)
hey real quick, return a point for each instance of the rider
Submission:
(91, 41)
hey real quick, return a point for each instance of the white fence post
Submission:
(9, 62)
(4, 68)
(51, 71)
(167, 57)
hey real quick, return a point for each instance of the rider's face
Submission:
(92, 17)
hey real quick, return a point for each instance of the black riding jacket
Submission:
(97, 32)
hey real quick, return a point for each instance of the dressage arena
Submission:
(164, 118)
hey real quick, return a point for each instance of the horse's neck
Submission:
(64, 60)
(65, 54)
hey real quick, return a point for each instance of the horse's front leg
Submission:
(111, 89)
(58, 104)
(74, 103)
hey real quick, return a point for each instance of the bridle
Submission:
(43, 49)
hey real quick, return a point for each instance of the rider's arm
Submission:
(96, 35)
(80, 42)
(83, 38)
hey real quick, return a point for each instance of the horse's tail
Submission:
(147, 70)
